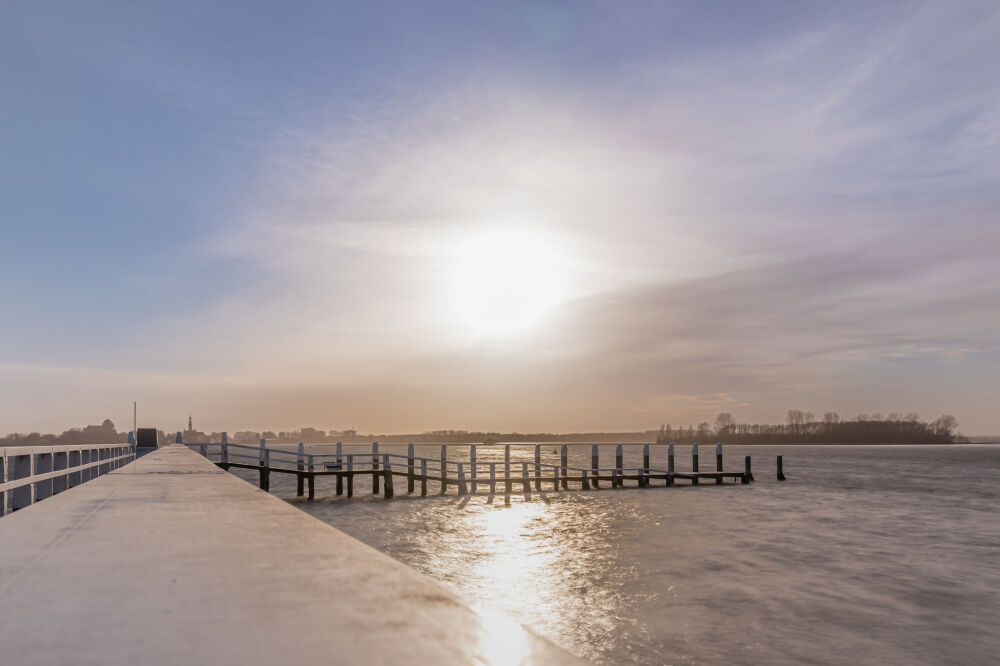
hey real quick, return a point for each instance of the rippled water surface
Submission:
(875, 555)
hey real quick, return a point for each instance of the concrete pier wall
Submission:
(169, 560)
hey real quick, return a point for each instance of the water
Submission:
(872, 555)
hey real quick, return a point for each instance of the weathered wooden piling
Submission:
(718, 463)
(444, 469)
(493, 478)
(312, 479)
(538, 467)
(300, 464)
(462, 489)
(506, 468)
(584, 482)
(473, 464)
(387, 473)
(564, 463)
(374, 468)
(644, 474)
(595, 463)
(525, 483)
(619, 482)
(747, 475)
(423, 477)
(694, 463)
(340, 465)
(781, 471)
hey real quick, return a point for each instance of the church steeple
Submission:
(190, 424)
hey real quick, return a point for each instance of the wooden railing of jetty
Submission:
(29, 474)
(465, 476)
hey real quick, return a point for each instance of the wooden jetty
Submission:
(466, 476)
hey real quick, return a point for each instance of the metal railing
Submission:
(29, 474)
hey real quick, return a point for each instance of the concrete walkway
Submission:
(170, 560)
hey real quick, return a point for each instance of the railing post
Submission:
(619, 466)
(262, 462)
(538, 467)
(584, 483)
(718, 463)
(644, 474)
(506, 468)
(350, 475)
(473, 472)
(224, 454)
(423, 477)
(595, 463)
(23, 468)
(312, 479)
(462, 490)
(340, 469)
(3, 479)
(564, 463)
(300, 464)
(374, 468)
(493, 478)
(387, 477)
(444, 469)
(525, 483)
(694, 463)
(409, 469)
(670, 465)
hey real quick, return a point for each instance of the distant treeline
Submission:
(92, 434)
(803, 428)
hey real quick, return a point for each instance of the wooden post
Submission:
(506, 468)
(312, 479)
(595, 464)
(300, 465)
(643, 478)
(350, 475)
(387, 477)
(444, 469)
(409, 469)
(555, 478)
(670, 465)
(340, 468)
(267, 470)
(619, 466)
(584, 482)
(564, 463)
(473, 466)
(423, 477)
(525, 483)
(781, 471)
(493, 478)
(718, 463)
(538, 467)
(746, 470)
(462, 490)
(260, 460)
(224, 455)
(694, 463)
(374, 468)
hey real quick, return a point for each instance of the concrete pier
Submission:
(170, 560)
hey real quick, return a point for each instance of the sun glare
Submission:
(506, 281)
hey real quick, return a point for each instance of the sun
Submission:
(505, 281)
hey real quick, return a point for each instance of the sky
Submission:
(509, 216)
